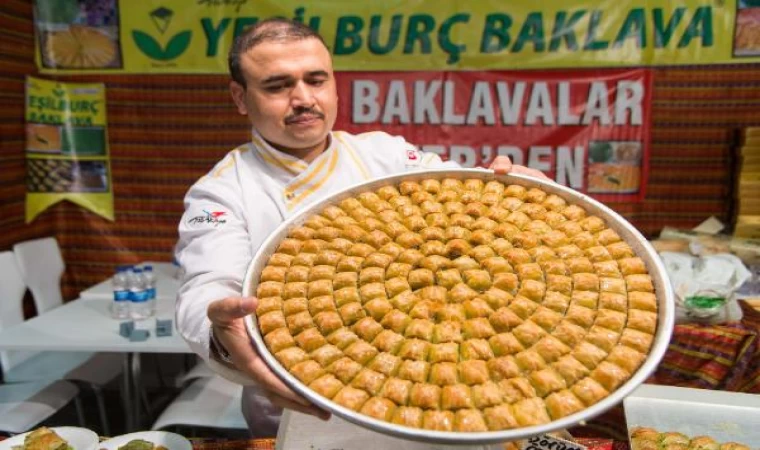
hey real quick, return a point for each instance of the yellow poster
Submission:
(194, 36)
(67, 147)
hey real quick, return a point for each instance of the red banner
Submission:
(587, 129)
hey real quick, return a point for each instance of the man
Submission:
(282, 79)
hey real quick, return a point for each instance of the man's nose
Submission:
(302, 95)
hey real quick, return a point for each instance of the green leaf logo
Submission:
(151, 48)
(177, 44)
(148, 45)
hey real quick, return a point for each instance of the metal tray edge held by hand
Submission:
(626, 231)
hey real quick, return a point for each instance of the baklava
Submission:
(458, 305)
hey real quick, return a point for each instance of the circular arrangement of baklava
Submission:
(457, 305)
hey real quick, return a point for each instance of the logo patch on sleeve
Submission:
(210, 217)
(413, 157)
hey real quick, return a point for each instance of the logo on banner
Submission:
(150, 47)
(214, 218)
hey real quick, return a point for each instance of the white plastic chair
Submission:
(40, 266)
(24, 405)
(208, 402)
(199, 370)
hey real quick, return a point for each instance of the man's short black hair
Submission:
(274, 29)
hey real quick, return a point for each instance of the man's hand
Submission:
(502, 165)
(226, 317)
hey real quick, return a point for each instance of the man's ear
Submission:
(238, 96)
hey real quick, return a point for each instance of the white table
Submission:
(85, 324)
(166, 283)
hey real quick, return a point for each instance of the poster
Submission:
(67, 154)
(586, 129)
(194, 36)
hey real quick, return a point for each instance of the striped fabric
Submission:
(750, 380)
(706, 357)
(713, 356)
(167, 130)
(224, 444)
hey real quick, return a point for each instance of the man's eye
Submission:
(274, 88)
(317, 82)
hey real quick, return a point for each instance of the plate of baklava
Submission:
(147, 440)
(460, 306)
(645, 438)
(53, 438)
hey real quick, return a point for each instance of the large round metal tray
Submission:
(626, 231)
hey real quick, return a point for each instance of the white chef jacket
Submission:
(231, 211)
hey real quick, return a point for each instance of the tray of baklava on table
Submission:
(460, 306)
(677, 418)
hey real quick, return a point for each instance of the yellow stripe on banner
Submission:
(355, 156)
(318, 184)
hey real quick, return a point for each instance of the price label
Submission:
(544, 442)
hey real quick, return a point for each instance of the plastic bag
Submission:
(705, 286)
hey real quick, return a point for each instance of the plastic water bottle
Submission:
(150, 286)
(121, 305)
(140, 305)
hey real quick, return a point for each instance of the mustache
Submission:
(297, 114)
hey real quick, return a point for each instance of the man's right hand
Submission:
(226, 317)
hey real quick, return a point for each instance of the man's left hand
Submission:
(502, 165)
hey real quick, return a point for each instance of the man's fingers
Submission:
(309, 409)
(226, 317)
(247, 360)
(267, 378)
(501, 165)
(226, 310)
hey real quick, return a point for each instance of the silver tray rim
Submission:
(642, 248)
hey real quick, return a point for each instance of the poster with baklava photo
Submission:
(78, 34)
(614, 167)
(67, 155)
(747, 28)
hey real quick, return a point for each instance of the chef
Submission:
(283, 81)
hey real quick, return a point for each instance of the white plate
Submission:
(78, 438)
(172, 441)
(724, 416)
